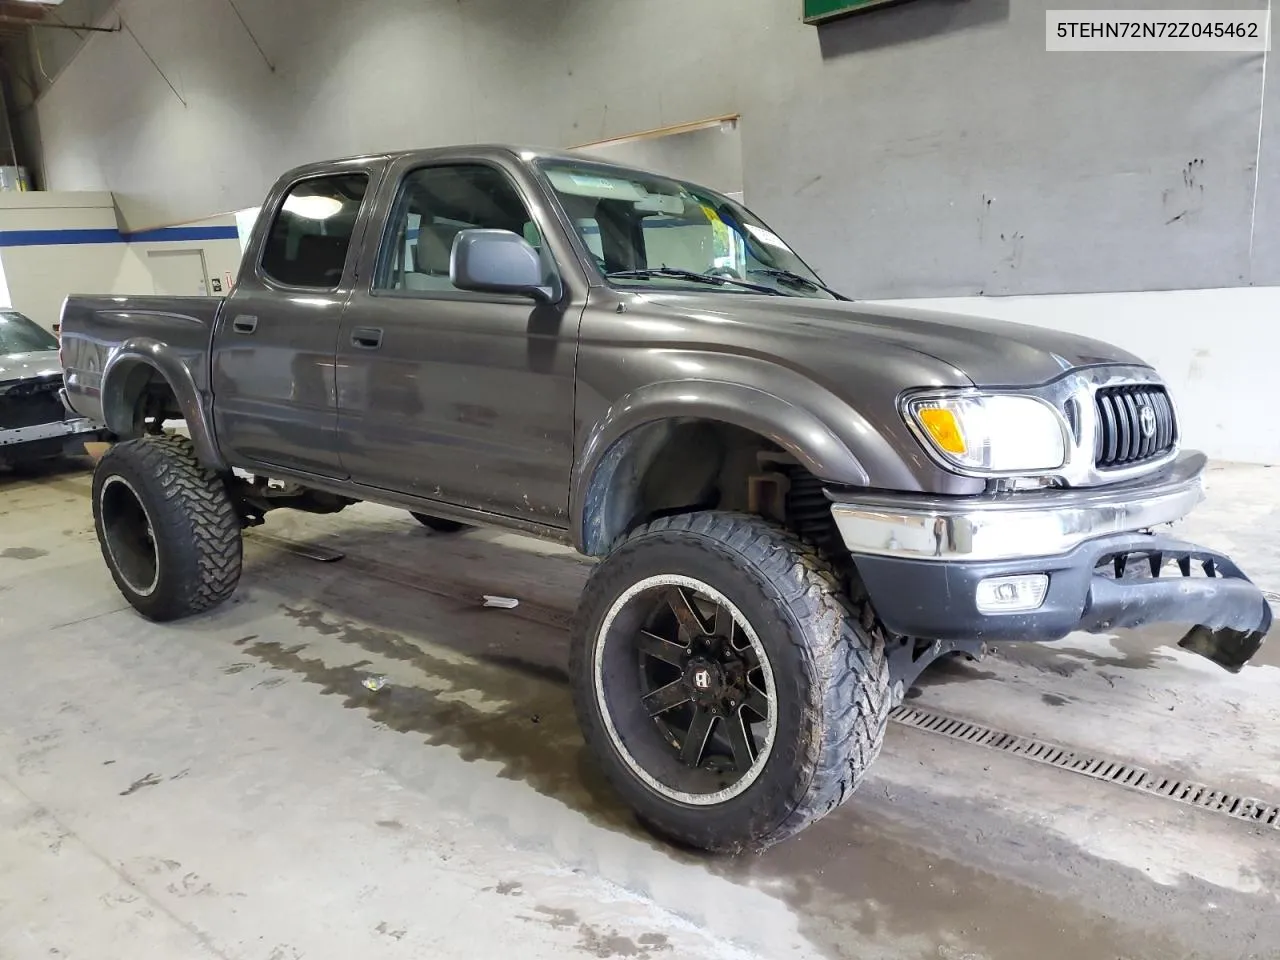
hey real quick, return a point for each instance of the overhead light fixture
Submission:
(313, 207)
(43, 3)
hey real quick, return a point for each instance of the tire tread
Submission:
(841, 647)
(191, 508)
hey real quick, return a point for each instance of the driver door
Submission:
(451, 395)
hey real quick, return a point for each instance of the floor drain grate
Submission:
(1109, 771)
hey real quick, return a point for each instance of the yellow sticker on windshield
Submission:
(721, 242)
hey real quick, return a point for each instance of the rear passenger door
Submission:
(452, 395)
(275, 397)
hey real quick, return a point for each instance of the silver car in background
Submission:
(34, 422)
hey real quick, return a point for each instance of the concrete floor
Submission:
(227, 787)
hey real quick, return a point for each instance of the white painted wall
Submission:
(221, 256)
(39, 277)
(245, 220)
(1219, 351)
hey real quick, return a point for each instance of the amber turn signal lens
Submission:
(944, 428)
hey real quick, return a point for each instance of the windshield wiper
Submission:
(798, 278)
(711, 278)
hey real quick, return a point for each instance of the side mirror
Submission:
(498, 261)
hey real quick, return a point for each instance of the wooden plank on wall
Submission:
(820, 11)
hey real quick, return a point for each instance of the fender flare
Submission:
(147, 352)
(795, 429)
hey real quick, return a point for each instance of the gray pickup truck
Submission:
(797, 501)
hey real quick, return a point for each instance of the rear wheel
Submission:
(438, 524)
(168, 529)
(729, 689)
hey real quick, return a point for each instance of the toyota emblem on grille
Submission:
(702, 679)
(1147, 421)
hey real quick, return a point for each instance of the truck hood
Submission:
(27, 366)
(990, 353)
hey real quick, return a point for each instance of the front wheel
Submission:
(724, 681)
(168, 529)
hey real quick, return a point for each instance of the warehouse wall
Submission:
(40, 264)
(710, 156)
(217, 238)
(931, 149)
(53, 244)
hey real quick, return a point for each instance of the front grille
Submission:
(31, 403)
(1127, 433)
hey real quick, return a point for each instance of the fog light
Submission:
(1012, 594)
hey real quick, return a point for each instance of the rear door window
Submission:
(311, 236)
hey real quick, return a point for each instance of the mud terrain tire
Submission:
(827, 657)
(168, 529)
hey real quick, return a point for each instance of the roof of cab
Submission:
(460, 151)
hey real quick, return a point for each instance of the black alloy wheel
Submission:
(704, 681)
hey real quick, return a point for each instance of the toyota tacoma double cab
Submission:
(797, 501)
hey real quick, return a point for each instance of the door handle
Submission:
(244, 324)
(366, 338)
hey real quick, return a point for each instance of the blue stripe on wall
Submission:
(51, 238)
(170, 234)
(55, 238)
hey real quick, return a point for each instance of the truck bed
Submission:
(97, 329)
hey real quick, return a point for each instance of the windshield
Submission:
(647, 230)
(20, 335)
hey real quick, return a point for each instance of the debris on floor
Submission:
(502, 603)
(374, 683)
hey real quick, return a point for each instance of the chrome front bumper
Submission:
(1014, 525)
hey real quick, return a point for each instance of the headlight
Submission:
(991, 434)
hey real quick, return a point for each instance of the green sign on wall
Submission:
(820, 11)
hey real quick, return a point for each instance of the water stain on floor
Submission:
(853, 878)
(23, 553)
(547, 755)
